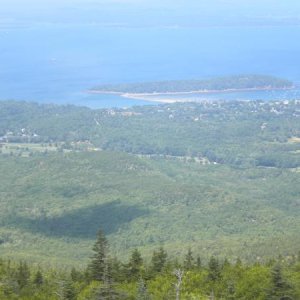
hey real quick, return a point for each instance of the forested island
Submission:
(221, 84)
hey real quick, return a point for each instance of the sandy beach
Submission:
(154, 97)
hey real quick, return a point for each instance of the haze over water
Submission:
(55, 51)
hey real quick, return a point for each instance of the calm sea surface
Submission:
(59, 63)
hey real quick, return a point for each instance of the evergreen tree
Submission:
(23, 274)
(158, 261)
(280, 289)
(213, 269)
(116, 272)
(99, 258)
(68, 291)
(198, 262)
(38, 278)
(75, 275)
(135, 264)
(189, 260)
(107, 291)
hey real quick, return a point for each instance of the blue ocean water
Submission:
(58, 63)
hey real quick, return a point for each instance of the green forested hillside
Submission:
(221, 178)
(52, 205)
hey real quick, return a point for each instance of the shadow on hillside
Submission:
(85, 222)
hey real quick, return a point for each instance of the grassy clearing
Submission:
(27, 149)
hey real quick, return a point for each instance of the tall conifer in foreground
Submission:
(188, 260)
(158, 261)
(38, 278)
(23, 274)
(107, 291)
(214, 271)
(280, 289)
(99, 258)
(135, 264)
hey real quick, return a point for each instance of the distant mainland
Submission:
(145, 90)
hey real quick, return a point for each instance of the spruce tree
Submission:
(68, 291)
(23, 274)
(214, 269)
(75, 275)
(135, 264)
(38, 278)
(158, 261)
(198, 262)
(280, 289)
(116, 272)
(99, 258)
(107, 291)
(189, 260)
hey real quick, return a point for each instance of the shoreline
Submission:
(148, 96)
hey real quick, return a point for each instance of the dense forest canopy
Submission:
(223, 175)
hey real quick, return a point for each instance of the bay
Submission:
(59, 63)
